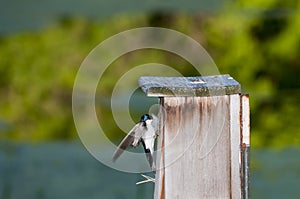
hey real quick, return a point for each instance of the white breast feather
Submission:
(149, 136)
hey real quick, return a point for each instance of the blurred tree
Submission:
(257, 42)
(37, 74)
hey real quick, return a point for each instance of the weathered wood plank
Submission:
(189, 86)
(235, 146)
(245, 127)
(159, 192)
(245, 119)
(197, 145)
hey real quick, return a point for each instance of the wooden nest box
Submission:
(203, 141)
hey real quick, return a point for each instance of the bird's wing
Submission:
(135, 134)
(149, 156)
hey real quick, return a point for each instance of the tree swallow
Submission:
(143, 132)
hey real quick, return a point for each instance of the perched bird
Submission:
(143, 132)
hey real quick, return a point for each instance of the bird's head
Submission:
(146, 117)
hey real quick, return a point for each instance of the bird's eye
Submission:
(143, 118)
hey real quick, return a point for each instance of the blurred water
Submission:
(275, 174)
(62, 170)
(67, 170)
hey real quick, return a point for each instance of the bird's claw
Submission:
(148, 179)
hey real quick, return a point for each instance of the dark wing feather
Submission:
(136, 133)
(149, 156)
(126, 142)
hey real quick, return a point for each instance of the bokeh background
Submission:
(43, 43)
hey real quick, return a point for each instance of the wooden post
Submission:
(204, 136)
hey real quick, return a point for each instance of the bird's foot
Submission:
(148, 179)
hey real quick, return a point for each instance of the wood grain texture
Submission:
(235, 146)
(245, 119)
(197, 147)
(245, 128)
(159, 192)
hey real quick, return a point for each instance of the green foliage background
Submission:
(258, 47)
